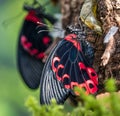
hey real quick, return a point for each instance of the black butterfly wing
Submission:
(68, 67)
(31, 47)
(73, 68)
(49, 86)
(30, 69)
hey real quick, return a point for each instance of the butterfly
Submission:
(69, 65)
(32, 46)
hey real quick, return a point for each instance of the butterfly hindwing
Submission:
(68, 67)
(49, 86)
(73, 69)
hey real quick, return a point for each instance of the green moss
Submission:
(107, 106)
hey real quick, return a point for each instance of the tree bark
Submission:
(109, 15)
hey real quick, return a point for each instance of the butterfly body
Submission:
(69, 65)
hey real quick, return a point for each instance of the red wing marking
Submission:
(86, 85)
(32, 17)
(55, 60)
(27, 46)
(65, 76)
(25, 43)
(40, 55)
(58, 68)
(90, 85)
(82, 66)
(90, 71)
(32, 51)
(67, 86)
(73, 84)
(72, 38)
(46, 40)
(94, 87)
(93, 75)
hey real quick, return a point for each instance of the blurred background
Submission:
(13, 92)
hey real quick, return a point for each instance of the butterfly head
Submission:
(76, 30)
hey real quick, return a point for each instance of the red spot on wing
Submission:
(33, 51)
(65, 76)
(67, 86)
(86, 86)
(58, 68)
(46, 40)
(72, 38)
(91, 84)
(25, 43)
(28, 47)
(55, 59)
(90, 71)
(73, 84)
(92, 89)
(81, 86)
(40, 55)
(92, 74)
(82, 66)
(32, 17)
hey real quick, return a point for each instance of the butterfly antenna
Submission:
(50, 27)
(41, 24)
(43, 31)
(49, 31)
